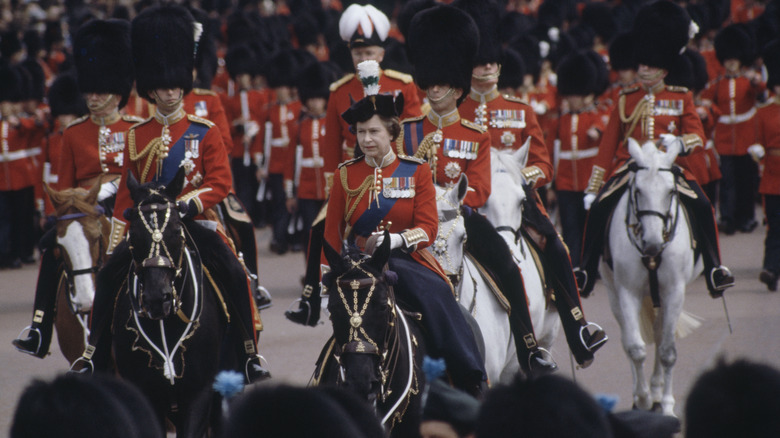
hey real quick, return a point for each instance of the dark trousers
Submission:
(772, 241)
(572, 214)
(245, 185)
(17, 231)
(738, 188)
(280, 215)
(447, 331)
(307, 211)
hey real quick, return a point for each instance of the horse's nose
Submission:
(651, 249)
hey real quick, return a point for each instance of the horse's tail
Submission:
(686, 324)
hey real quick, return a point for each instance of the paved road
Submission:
(291, 349)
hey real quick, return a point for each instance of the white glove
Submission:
(756, 151)
(588, 199)
(671, 141)
(107, 190)
(540, 108)
(251, 128)
(396, 240)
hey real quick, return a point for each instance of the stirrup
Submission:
(597, 345)
(544, 355)
(291, 311)
(89, 367)
(251, 362)
(581, 285)
(726, 275)
(262, 298)
(30, 329)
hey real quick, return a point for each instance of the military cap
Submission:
(735, 42)
(314, 81)
(771, 56)
(240, 59)
(10, 84)
(512, 69)
(662, 29)
(363, 25)
(102, 54)
(64, 97)
(487, 16)
(577, 75)
(621, 52)
(281, 68)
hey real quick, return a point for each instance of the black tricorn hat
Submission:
(443, 44)
(735, 42)
(577, 76)
(64, 97)
(163, 48)
(771, 56)
(662, 29)
(621, 52)
(102, 54)
(385, 105)
(487, 16)
(314, 81)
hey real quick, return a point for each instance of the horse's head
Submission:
(449, 243)
(157, 243)
(362, 311)
(82, 230)
(504, 206)
(653, 198)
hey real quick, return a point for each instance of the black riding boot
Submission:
(493, 253)
(308, 311)
(718, 277)
(39, 333)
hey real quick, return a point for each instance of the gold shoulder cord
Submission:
(427, 151)
(154, 146)
(639, 110)
(353, 193)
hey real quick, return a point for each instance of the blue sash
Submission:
(413, 135)
(371, 217)
(176, 153)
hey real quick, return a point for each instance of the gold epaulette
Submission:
(336, 85)
(132, 119)
(411, 159)
(511, 98)
(629, 90)
(350, 162)
(81, 119)
(676, 89)
(472, 125)
(393, 74)
(412, 119)
(196, 119)
(203, 92)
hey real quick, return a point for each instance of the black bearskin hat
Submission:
(690, 72)
(10, 84)
(102, 54)
(408, 11)
(512, 69)
(314, 81)
(241, 59)
(621, 52)
(163, 48)
(363, 25)
(735, 42)
(577, 76)
(37, 78)
(443, 44)
(64, 97)
(662, 29)
(602, 72)
(281, 69)
(206, 62)
(598, 16)
(771, 56)
(395, 56)
(487, 16)
(10, 44)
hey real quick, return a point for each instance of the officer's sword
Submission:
(726, 310)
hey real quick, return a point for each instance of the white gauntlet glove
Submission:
(672, 142)
(756, 151)
(396, 241)
(108, 189)
(588, 199)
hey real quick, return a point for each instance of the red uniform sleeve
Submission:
(334, 220)
(538, 155)
(426, 216)
(478, 172)
(66, 169)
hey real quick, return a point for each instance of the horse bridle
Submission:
(159, 256)
(440, 246)
(669, 218)
(72, 273)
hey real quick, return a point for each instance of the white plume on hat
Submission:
(369, 19)
(368, 72)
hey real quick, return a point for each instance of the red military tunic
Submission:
(768, 133)
(460, 145)
(18, 161)
(200, 152)
(510, 121)
(206, 104)
(574, 152)
(645, 115)
(257, 107)
(314, 167)
(51, 153)
(283, 121)
(347, 90)
(414, 213)
(87, 153)
(735, 97)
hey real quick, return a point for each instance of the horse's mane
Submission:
(505, 158)
(73, 198)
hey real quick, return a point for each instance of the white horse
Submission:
(649, 222)
(504, 210)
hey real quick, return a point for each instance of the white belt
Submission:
(737, 118)
(18, 155)
(312, 162)
(575, 155)
(280, 142)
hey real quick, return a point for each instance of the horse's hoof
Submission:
(769, 278)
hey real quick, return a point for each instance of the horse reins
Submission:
(72, 273)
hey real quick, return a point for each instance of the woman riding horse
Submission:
(156, 150)
(382, 191)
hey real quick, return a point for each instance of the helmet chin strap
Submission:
(102, 106)
(446, 95)
(487, 77)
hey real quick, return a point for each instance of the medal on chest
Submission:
(398, 187)
(507, 119)
(461, 149)
(191, 152)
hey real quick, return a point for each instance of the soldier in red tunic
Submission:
(651, 112)
(767, 152)
(92, 146)
(155, 151)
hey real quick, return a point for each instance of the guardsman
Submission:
(622, 61)
(735, 94)
(651, 112)
(364, 28)
(155, 151)
(510, 122)
(92, 146)
(443, 44)
(767, 152)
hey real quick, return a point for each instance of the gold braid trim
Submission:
(216, 289)
(639, 110)
(154, 148)
(353, 193)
